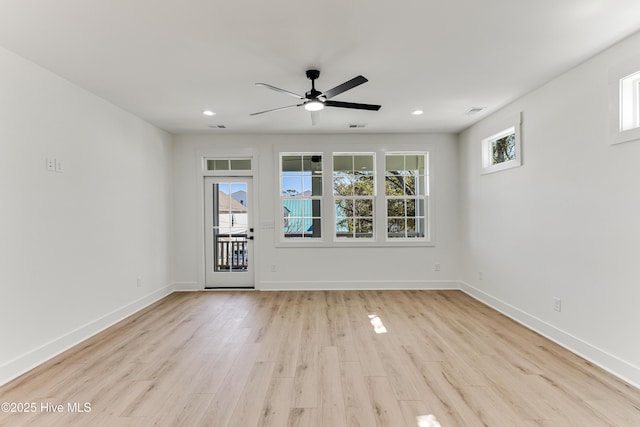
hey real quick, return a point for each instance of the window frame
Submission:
(424, 197)
(230, 171)
(510, 127)
(624, 100)
(320, 198)
(328, 212)
(335, 198)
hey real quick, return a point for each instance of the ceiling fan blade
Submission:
(277, 89)
(352, 105)
(356, 81)
(276, 109)
(315, 117)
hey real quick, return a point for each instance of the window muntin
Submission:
(354, 194)
(301, 195)
(406, 195)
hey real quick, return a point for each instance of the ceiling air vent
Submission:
(475, 110)
(357, 125)
(217, 126)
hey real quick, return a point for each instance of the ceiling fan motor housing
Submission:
(313, 74)
(313, 93)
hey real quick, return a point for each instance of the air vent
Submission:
(357, 125)
(217, 126)
(475, 110)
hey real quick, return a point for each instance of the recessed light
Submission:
(208, 113)
(417, 112)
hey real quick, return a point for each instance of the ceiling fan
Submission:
(314, 100)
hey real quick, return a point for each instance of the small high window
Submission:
(624, 96)
(501, 150)
(630, 102)
(228, 164)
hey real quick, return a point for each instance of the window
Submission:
(228, 164)
(629, 102)
(353, 192)
(624, 99)
(301, 195)
(356, 198)
(406, 195)
(501, 150)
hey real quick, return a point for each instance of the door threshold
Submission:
(227, 288)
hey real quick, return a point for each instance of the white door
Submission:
(228, 232)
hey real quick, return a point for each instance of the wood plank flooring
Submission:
(320, 359)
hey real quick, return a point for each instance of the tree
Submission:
(355, 198)
(504, 149)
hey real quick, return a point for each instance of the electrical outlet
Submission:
(59, 166)
(479, 275)
(139, 282)
(437, 267)
(273, 268)
(51, 164)
(557, 304)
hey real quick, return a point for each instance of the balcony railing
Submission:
(232, 253)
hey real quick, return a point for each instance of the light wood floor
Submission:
(314, 359)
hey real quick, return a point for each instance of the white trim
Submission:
(351, 285)
(22, 364)
(199, 174)
(188, 287)
(607, 361)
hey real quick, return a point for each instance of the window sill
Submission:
(354, 244)
(630, 135)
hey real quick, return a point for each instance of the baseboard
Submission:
(187, 286)
(620, 368)
(18, 366)
(353, 285)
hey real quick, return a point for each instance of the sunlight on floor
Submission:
(378, 326)
(427, 421)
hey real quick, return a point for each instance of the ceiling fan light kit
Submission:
(313, 106)
(314, 100)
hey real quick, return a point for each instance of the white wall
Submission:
(72, 244)
(566, 223)
(307, 268)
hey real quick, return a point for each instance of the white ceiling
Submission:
(167, 60)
